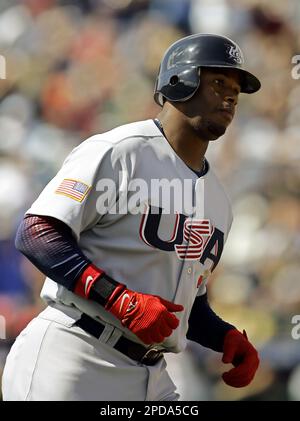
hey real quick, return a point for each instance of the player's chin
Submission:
(216, 129)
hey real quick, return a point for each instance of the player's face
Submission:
(212, 108)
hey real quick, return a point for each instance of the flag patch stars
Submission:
(76, 190)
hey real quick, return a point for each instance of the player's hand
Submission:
(149, 317)
(241, 353)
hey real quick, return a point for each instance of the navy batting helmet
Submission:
(179, 76)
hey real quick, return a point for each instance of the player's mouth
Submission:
(228, 112)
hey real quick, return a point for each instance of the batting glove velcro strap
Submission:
(86, 280)
(241, 353)
(96, 285)
(149, 317)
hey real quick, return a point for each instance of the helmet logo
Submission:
(235, 53)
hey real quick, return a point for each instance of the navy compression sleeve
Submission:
(49, 244)
(205, 327)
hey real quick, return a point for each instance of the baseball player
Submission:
(125, 278)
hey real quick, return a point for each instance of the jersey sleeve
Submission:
(72, 195)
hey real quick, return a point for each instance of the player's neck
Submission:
(188, 147)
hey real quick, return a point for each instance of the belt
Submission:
(132, 349)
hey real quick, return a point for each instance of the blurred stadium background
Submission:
(79, 67)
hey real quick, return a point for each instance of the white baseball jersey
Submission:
(168, 254)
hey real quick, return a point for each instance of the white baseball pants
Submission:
(53, 359)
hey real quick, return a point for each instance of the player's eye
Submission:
(219, 82)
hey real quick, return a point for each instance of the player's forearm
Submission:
(49, 244)
(205, 327)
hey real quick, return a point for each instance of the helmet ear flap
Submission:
(177, 87)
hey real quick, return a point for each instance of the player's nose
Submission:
(231, 99)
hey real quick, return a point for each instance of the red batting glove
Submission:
(241, 353)
(148, 316)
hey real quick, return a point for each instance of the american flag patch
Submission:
(74, 189)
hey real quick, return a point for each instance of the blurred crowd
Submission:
(79, 67)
